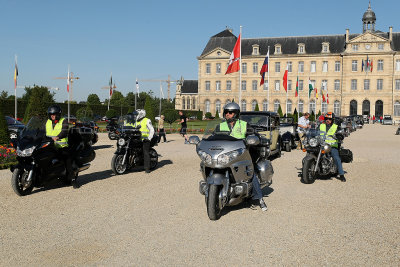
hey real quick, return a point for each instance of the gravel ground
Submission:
(160, 219)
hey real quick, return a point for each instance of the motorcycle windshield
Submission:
(213, 132)
(127, 123)
(33, 132)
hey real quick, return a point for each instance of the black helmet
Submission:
(131, 117)
(54, 110)
(232, 107)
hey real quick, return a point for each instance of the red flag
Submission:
(327, 97)
(234, 60)
(297, 87)
(111, 88)
(323, 96)
(15, 74)
(68, 80)
(264, 68)
(371, 65)
(285, 80)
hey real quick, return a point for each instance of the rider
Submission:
(238, 129)
(147, 130)
(57, 129)
(329, 128)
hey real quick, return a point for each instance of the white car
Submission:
(387, 120)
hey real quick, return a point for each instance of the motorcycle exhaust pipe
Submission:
(84, 167)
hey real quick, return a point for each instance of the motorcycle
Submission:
(40, 162)
(86, 122)
(112, 128)
(398, 130)
(318, 160)
(228, 166)
(129, 153)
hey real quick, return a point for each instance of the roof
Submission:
(225, 40)
(189, 87)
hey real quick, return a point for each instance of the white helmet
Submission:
(141, 114)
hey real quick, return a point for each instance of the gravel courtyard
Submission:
(160, 219)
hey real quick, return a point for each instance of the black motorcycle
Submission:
(398, 130)
(39, 161)
(87, 123)
(129, 153)
(318, 161)
(112, 129)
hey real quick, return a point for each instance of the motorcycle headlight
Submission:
(121, 141)
(225, 158)
(205, 157)
(313, 142)
(26, 152)
(327, 148)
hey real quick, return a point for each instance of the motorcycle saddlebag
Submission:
(86, 155)
(346, 155)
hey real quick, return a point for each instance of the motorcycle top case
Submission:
(86, 155)
(346, 155)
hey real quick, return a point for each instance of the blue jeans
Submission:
(257, 193)
(338, 161)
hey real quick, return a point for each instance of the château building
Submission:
(357, 73)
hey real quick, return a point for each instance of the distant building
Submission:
(359, 72)
(188, 96)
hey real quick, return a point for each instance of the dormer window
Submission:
(256, 50)
(325, 47)
(301, 48)
(278, 49)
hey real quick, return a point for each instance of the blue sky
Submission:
(151, 39)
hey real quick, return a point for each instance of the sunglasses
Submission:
(230, 112)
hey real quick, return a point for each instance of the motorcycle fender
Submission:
(220, 179)
(286, 137)
(308, 157)
(216, 178)
(120, 151)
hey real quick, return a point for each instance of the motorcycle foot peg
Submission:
(202, 187)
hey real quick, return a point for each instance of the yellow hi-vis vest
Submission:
(143, 127)
(238, 130)
(56, 131)
(329, 135)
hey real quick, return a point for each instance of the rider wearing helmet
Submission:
(57, 129)
(238, 128)
(329, 128)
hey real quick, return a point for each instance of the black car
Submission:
(14, 126)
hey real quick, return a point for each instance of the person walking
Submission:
(183, 124)
(302, 126)
(161, 130)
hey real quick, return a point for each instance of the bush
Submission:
(217, 115)
(4, 135)
(171, 116)
(208, 115)
(111, 113)
(199, 115)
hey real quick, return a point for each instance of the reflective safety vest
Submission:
(143, 127)
(53, 132)
(329, 135)
(238, 130)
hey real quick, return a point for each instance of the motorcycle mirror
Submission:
(194, 140)
(252, 140)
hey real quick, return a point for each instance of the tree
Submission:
(280, 111)
(4, 135)
(40, 99)
(84, 112)
(312, 116)
(117, 99)
(93, 99)
(3, 95)
(111, 113)
(47, 97)
(217, 114)
(295, 115)
(199, 115)
(171, 116)
(257, 108)
(149, 109)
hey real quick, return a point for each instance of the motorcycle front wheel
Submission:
(19, 184)
(213, 210)
(116, 164)
(308, 176)
(112, 136)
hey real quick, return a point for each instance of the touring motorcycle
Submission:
(318, 160)
(112, 128)
(228, 166)
(39, 161)
(129, 153)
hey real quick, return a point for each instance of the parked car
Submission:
(387, 120)
(288, 132)
(14, 126)
(266, 123)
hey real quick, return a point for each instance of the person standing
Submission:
(183, 124)
(302, 126)
(161, 130)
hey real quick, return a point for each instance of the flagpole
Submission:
(136, 92)
(69, 93)
(268, 81)
(308, 93)
(240, 68)
(15, 87)
(160, 100)
(298, 93)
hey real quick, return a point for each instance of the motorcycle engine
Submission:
(325, 166)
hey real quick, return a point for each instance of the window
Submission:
(255, 67)
(208, 86)
(208, 68)
(254, 84)
(325, 48)
(355, 47)
(183, 103)
(218, 86)
(255, 49)
(188, 103)
(336, 108)
(397, 84)
(301, 85)
(289, 66)
(194, 103)
(397, 64)
(277, 67)
(244, 67)
(265, 105)
(380, 65)
(379, 84)
(277, 85)
(381, 46)
(289, 85)
(337, 66)
(354, 65)
(228, 85)
(337, 85)
(313, 66)
(301, 49)
(301, 66)
(277, 49)
(397, 108)
(253, 105)
(207, 105)
(276, 105)
(324, 107)
(325, 66)
(289, 106)
(366, 84)
(301, 106)
(266, 87)
(244, 84)
(324, 84)
(353, 84)
(218, 106)
(218, 68)
(312, 106)
(243, 105)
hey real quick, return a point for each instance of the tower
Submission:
(369, 19)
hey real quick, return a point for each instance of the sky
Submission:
(151, 39)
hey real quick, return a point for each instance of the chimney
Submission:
(347, 35)
(390, 33)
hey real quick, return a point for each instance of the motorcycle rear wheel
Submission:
(17, 182)
(213, 210)
(288, 148)
(308, 176)
(116, 164)
(153, 159)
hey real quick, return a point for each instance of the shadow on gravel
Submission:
(94, 176)
(101, 147)
(159, 165)
(54, 184)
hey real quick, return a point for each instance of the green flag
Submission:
(310, 87)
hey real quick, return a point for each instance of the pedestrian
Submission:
(161, 130)
(183, 124)
(302, 126)
(380, 119)
(373, 119)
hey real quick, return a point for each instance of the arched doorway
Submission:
(366, 107)
(378, 108)
(353, 107)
